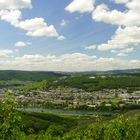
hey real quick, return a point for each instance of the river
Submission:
(72, 112)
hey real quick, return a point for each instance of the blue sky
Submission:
(72, 35)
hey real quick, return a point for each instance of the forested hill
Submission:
(27, 75)
(110, 72)
(43, 75)
(127, 71)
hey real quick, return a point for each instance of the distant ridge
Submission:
(127, 71)
(110, 72)
(42, 75)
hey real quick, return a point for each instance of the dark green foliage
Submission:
(41, 121)
(109, 82)
(12, 83)
(43, 86)
(117, 129)
(129, 82)
(27, 75)
(103, 107)
(10, 119)
(55, 130)
(120, 128)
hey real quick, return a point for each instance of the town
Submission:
(70, 98)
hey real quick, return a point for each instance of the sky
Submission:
(69, 35)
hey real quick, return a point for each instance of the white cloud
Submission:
(36, 27)
(102, 14)
(129, 17)
(61, 38)
(14, 4)
(80, 6)
(21, 44)
(128, 22)
(64, 22)
(128, 50)
(114, 51)
(121, 1)
(124, 41)
(123, 38)
(91, 47)
(11, 16)
(6, 53)
(70, 62)
(77, 57)
(121, 54)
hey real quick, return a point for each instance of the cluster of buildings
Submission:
(70, 97)
(73, 97)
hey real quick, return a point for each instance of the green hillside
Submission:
(91, 82)
(43, 75)
(27, 75)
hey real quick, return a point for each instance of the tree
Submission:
(44, 85)
(55, 130)
(10, 118)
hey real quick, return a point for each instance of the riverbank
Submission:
(70, 112)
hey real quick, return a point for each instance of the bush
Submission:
(55, 130)
(10, 119)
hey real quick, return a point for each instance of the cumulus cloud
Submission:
(128, 22)
(123, 38)
(6, 53)
(12, 16)
(21, 44)
(70, 62)
(128, 50)
(91, 47)
(36, 27)
(124, 52)
(129, 17)
(124, 41)
(80, 6)
(121, 1)
(15, 4)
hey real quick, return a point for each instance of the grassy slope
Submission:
(41, 121)
(132, 113)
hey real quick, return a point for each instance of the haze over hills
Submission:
(41, 75)
(126, 71)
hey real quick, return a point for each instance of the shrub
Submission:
(10, 118)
